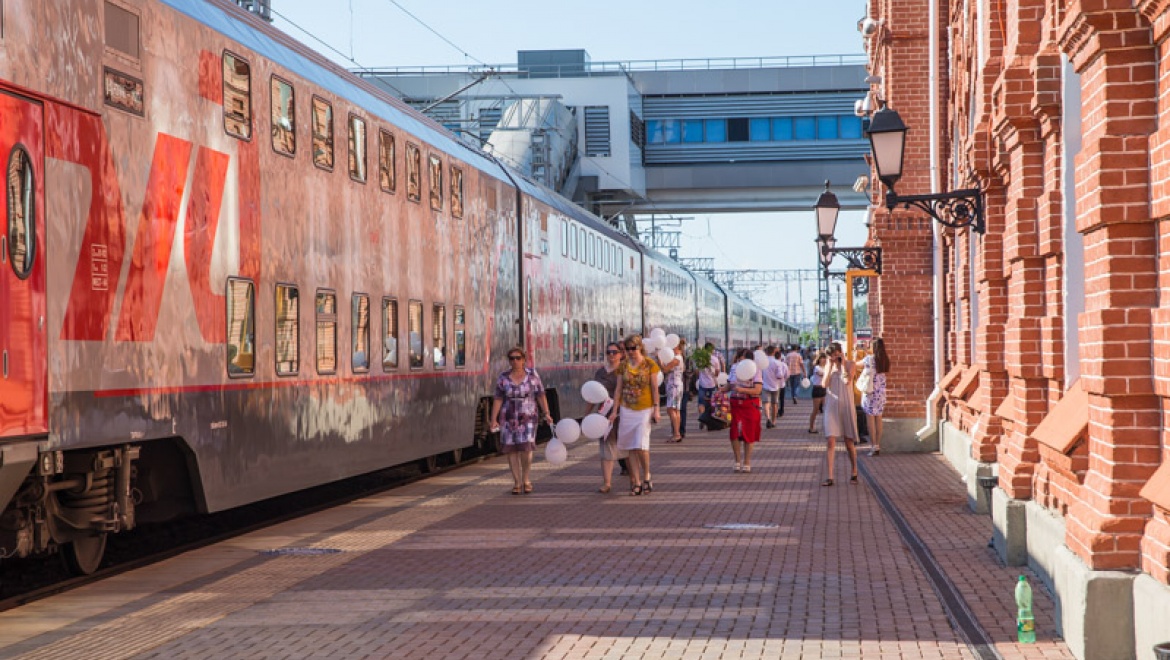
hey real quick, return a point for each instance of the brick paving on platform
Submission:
(457, 567)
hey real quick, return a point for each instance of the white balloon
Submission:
(556, 452)
(665, 356)
(721, 379)
(594, 426)
(761, 360)
(594, 392)
(745, 371)
(672, 340)
(806, 383)
(657, 333)
(568, 430)
(657, 379)
(649, 345)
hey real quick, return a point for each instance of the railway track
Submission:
(23, 581)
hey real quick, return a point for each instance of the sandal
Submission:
(647, 486)
(827, 482)
(636, 490)
(737, 467)
(747, 468)
(603, 490)
(516, 490)
(853, 479)
(679, 439)
(527, 488)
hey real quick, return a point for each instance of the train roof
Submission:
(279, 48)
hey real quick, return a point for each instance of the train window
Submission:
(241, 328)
(573, 240)
(322, 134)
(389, 334)
(237, 97)
(435, 179)
(414, 319)
(360, 332)
(121, 30)
(284, 117)
(590, 249)
(387, 166)
(564, 238)
(326, 332)
(576, 341)
(585, 347)
(413, 173)
(357, 148)
(565, 356)
(595, 342)
(288, 338)
(460, 338)
(22, 213)
(456, 192)
(439, 333)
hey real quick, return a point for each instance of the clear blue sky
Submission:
(380, 33)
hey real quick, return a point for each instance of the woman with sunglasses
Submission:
(606, 374)
(638, 387)
(840, 418)
(519, 395)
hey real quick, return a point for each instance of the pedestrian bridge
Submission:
(665, 136)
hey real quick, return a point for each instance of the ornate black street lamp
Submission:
(887, 139)
(858, 258)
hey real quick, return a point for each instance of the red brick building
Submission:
(1042, 347)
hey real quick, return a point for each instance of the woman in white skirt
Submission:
(637, 387)
(840, 419)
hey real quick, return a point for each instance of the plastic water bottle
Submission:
(1025, 622)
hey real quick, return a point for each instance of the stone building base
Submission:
(899, 436)
(1096, 613)
(955, 445)
(1151, 615)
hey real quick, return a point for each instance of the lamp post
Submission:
(859, 258)
(887, 139)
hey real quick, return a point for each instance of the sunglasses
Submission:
(613, 352)
(631, 348)
(515, 357)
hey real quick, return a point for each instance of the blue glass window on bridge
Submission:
(781, 128)
(827, 128)
(716, 130)
(850, 127)
(804, 128)
(692, 130)
(759, 129)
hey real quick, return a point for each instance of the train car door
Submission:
(23, 344)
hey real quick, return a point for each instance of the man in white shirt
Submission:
(705, 382)
(773, 380)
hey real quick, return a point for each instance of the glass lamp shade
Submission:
(887, 139)
(827, 208)
(825, 246)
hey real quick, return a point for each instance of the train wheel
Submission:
(456, 456)
(83, 555)
(429, 464)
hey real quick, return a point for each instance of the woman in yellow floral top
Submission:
(637, 386)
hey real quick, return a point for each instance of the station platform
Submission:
(712, 564)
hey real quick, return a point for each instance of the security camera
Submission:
(873, 80)
(867, 26)
(858, 107)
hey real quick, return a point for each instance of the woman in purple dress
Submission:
(518, 393)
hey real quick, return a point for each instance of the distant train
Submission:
(180, 176)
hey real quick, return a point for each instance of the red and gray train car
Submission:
(231, 270)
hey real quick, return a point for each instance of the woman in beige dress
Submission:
(840, 420)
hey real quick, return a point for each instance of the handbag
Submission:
(865, 381)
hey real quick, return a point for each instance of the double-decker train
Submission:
(180, 176)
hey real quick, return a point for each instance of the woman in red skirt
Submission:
(745, 413)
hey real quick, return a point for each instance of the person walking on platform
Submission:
(874, 401)
(675, 390)
(638, 392)
(745, 413)
(606, 374)
(818, 390)
(796, 371)
(774, 380)
(520, 397)
(840, 419)
(707, 376)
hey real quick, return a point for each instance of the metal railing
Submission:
(587, 69)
